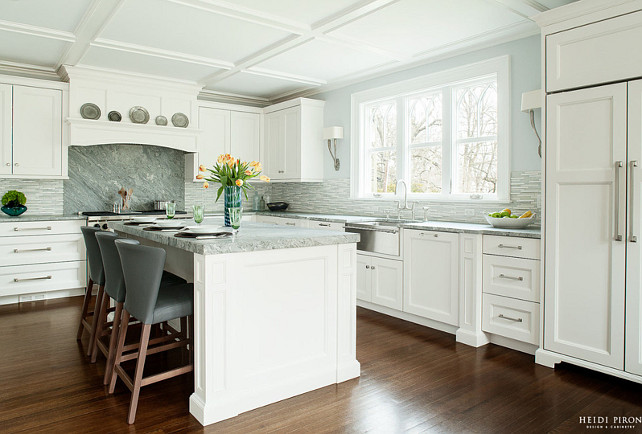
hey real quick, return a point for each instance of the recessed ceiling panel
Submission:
(414, 26)
(20, 48)
(323, 60)
(53, 14)
(152, 65)
(255, 85)
(174, 27)
(304, 12)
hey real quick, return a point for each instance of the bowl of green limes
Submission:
(505, 219)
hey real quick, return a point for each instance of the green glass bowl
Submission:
(13, 211)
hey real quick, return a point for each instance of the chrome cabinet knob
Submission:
(16, 164)
(8, 164)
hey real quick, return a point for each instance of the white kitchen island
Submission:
(274, 313)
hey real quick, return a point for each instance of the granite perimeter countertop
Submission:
(477, 228)
(251, 237)
(26, 217)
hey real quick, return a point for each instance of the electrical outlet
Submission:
(470, 212)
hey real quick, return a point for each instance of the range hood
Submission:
(119, 92)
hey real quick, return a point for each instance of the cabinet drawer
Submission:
(25, 279)
(332, 226)
(51, 227)
(512, 246)
(515, 319)
(511, 277)
(602, 52)
(41, 249)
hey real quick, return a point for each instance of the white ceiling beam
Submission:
(364, 47)
(41, 32)
(160, 53)
(98, 15)
(285, 76)
(523, 8)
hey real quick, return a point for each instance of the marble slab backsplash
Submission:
(96, 173)
(333, 197)
(43, 196)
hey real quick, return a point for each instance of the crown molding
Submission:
(586, 11)
(29, 71)
(232, 98)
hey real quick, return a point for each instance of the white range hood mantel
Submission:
(86, 132)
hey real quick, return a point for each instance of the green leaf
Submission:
(218, 193)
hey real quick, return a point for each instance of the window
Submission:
(445, 135)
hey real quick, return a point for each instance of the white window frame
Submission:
(359, 175)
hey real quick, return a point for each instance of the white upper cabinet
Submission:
(601, 52)
(431, 275)
(586, 159)
(5, 129)
(245, 136)
(294, 140)
(37, 131)
(215, 134)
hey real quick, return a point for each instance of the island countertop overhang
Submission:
(252, 237)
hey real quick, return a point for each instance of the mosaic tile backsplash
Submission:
(43, 196)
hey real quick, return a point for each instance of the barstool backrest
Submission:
(114, 280)
(96, 272)
(143, 271)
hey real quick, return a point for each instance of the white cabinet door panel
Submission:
(37, 131)
(387, 282)
(584, 280)
(431, 279)
(633, 352)
(364, 278)
(245, 136)
(274, 144)
(6, 119)
(215, 137)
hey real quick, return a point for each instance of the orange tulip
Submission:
(239, 182)
(248, 172)
(220, 159)
(206, 185)
(264, 178)
(199, 176)
(201, 168)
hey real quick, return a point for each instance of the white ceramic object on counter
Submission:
(509, 223)
(144, 219)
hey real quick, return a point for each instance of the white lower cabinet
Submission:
(510, 317)
(282, 221)
(380, 281)
(431, 275)
(40, 258)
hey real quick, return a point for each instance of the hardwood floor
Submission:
(413, 379)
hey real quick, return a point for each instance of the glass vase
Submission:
(232, 196)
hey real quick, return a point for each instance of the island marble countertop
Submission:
(26, 217)
(251, 237)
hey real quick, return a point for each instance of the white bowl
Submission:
(509, 223)
(168, 223)
(144, 219)
(205, 229)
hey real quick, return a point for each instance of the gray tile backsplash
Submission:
(43, 196)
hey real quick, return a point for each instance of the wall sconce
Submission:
(531, 101)
(332, 134)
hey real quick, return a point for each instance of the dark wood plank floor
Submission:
(413, 380)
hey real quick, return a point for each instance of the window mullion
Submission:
(447, 140)
(402, 160)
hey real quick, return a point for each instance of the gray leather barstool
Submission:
(115, 290)
(96, 277)
(151, 303)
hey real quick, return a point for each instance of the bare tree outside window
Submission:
(424, 140)
(382, 141)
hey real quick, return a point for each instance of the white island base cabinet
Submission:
(270, 325)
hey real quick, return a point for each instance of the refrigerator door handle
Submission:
(632, 237)
(618, 166)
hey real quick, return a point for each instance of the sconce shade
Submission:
(532, 100)
(332, 133)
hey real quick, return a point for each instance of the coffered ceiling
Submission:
(261, 50)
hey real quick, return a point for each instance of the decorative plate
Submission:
(138, 115)
(114, 116)
(180, 120)
(90, 111)
(161, 120)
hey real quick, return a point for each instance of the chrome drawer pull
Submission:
(506, 246)
(501, 315)
(15, 279)
(503, 276)
(618, 166)
(43, 249)
(632, 237)
(290, 224)
(324, 224)
(47, 228)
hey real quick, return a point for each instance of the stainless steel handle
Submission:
(632, 237)
(16, 164)
(46, 228)
(8, 164)
(290, 224)
(15, 279)
(501, 315)
(42, 249)
(281, 171)
(507, 246)
(372, 268)
(435, 235)
(377, 229)
(367, 267)
(504, 276)
(324, 224)
(618, 166)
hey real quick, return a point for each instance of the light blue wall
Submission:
(525, 76)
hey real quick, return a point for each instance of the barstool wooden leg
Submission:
(85, 308)
(124, 322)
(102, 318)
(113, 340)
(99, 301)
(138, 376)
